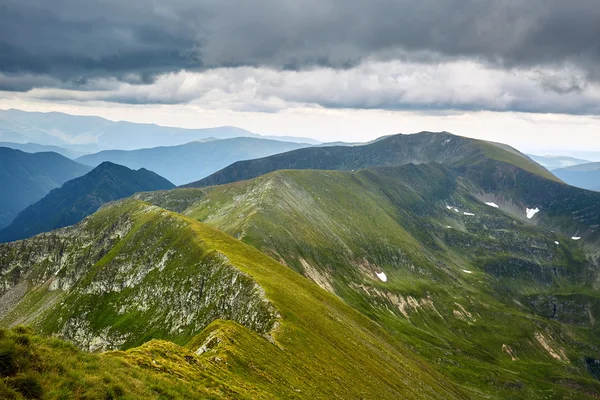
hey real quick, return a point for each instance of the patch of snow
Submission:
(491, 204)
(466, 271)
(449, 208)
(576, 237)
(382, 276)
(531, 212)
(556, 242)
(455, 209)
(448, 227)
(447, 140)
(468, 213)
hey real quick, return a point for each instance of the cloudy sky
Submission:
(525, 72)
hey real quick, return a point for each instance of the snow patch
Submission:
(531, 212)
(492, 204)
(468, 213)
(576, 237)
(382, 276)
(466, 271)
(556, 242)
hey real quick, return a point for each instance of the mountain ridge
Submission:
(80, 197)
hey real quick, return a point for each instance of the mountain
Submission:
(92, 134)
(392, 150)
(195, 313)
(192, 161)
(556, 162)
(81, 197)
(475, 282)
(25, 178)
(39, 148)
(586, 176)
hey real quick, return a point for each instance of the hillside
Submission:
(80, 197)
(393, 150)
(586, 176)
(231, 323)
(25, 178)
(92, 134)
(192, 161)
(484, 293)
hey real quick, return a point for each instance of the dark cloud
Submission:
(140, 39)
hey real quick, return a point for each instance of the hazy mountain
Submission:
(80, 197)
(392, 150)
(38, 148)
(25, 178)
(555, 162)
(586, 176)
(192, 161)
(91, 134)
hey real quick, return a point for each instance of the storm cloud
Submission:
(74, 45)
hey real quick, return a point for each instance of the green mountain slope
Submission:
(81, 197)
(25, 178)
(489, 297)
(586, 176)
(192, 161)
(96, 284)
(424, 147)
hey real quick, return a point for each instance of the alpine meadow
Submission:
(213, 200)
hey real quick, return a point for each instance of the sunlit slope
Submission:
(489, 298)
(132, 272)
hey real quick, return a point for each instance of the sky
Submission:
(523, 72)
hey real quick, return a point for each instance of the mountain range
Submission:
(586, 176)
(414, 266)
(91, 134)
(192, 161)
(25, 178)
(80, 197)
(556, 162)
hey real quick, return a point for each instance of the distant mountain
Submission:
(424, 147)
(192, 161)
(92, 134)
(81, 197)
(586, 176)
(38, 148)
(555, 162)
(25, 178)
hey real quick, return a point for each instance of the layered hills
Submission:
(192, 161)
(586, 176)
(81, 197)
(25, 178)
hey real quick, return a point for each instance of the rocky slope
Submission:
(483, 292)
(251, 327)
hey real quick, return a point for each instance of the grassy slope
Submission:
(322, 345)
(348, 226)
(394, 150)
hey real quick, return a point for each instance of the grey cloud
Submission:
(73, 41)
(456, 85)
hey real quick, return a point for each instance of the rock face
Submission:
(128, 273)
